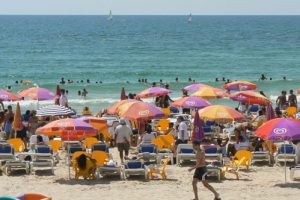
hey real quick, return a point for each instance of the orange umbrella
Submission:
(250, 98)
(97, 123)
(114, 109)
(220, 113)
(298, 91)
(140, 111)
(36, 93)
(68, 129)
(240, 86)
(17, 123)
(210, 93)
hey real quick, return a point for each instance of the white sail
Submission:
(190, 18)
(109, 18)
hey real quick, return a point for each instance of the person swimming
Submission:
(217, 80)
(262, 77)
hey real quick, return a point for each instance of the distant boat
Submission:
(109, 18)
(190, 18)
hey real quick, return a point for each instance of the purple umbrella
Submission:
(195, 87)
(191, 102)
(270, 114)
(198, 132)
(37, 93)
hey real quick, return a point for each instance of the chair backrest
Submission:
(210, 123)
(74, 149)
(34, 196)
(99, 147)
(55, 145)
(243, 154)
(287, 148)
(211, 150)
(17, 144)
(100, 156)
(43, 149)
(147, 148)
(134, 164)
(6, 148)
(89, 141)
(254, 108)
(185, 148)
(158, 143)
(164, 124)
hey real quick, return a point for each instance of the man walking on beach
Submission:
(200, 172)
(122, 138)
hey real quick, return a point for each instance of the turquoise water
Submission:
(43, 49)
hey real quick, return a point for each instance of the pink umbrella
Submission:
(36, 93)
(198, 132)
(153, 92)
(8, 96)
(195, 87)
(191, 102)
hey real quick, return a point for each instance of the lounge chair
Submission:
(100, 147)
(212, 154)
(55, 146)
(163, 125)
(260, 156)
(89, 172)
(17, 144)
(135, 168)
(9, 162)
(286, 152)
(148, 152)
(292, 171)
(71, 151)
(233, 168)
(43, 158)
(101, 158)
(111, 168)
(185, 152)
(159, 169)
(89, 141)
(244, 155)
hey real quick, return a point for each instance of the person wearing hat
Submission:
(122, 138)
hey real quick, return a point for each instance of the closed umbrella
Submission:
(191, 102)
(198, 132)
(153, 92)
(240, 86)
(54, 110)
(17, 123)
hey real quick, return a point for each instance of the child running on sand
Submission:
(200, 172)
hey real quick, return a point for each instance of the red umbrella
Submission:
(57, 95)
(123, 94)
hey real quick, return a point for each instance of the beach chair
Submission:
(89, 172)
(286, 152)
(111, 168)
(159, 169)
(148, 152)
(89, 141)
(185, 152)
(233, 168)
(9, 163)
(100, 147)
(244, 155)
(71, 151)
(34, 196)
(293, 169)
(42, 159)
(17, 144)
(254, 110)
(163, 125)
(101, 158)
(258, 156)
(134, 168)
(212, 154)
(214, 170)
(55, 146)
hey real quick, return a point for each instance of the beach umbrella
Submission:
(123, 94)
(240, 86)
(17, 123)
(220, 113)
(54, 110)
(8, 96)
(97, 123)
(198, 132)
(140, 111)
(37, 93)
(280, 130)
(113, 110)
(191, 102)
(270, 114)
(153, 92)
(195, 87)
(298, 91)
(57, 95)
(250, 97)
(68, 129)
(210, 93)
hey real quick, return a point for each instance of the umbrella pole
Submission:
(284, 162)
(68, 156)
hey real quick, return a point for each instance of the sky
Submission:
(150, 7)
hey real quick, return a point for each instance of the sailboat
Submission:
(109, 18)
(190, 18)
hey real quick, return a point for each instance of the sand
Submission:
(260, 182)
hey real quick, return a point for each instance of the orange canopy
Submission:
(220, 113)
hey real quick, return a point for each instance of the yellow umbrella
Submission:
(220, 113)
(210, 93)
(17, 123)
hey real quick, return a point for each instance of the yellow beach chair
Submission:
(89, 141)
(90, 170)
(233, 168)
(17, 144)
(159, 169)
(244, 155)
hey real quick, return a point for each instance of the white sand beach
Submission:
(261, 182)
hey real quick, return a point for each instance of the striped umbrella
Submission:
(240, 86)
(55, 110)
(153, 92)
(36, 93)
(8, 96)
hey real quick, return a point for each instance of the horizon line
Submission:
(150, 14)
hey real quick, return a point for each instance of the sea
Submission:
(115, 54)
